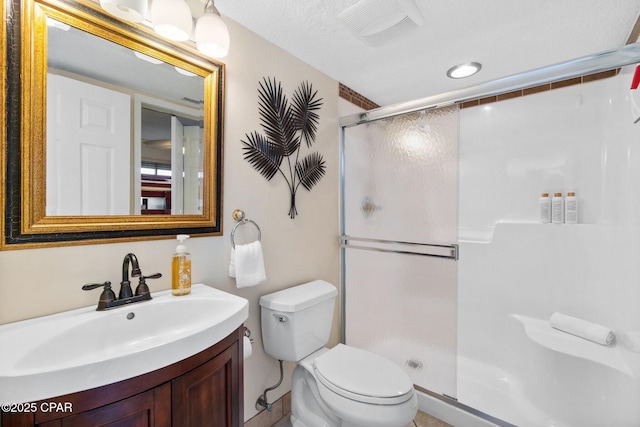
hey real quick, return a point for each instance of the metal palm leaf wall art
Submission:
(285, 125)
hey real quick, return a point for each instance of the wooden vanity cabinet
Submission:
(144, 409)
(205, 389)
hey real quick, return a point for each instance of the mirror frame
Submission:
(25, 223)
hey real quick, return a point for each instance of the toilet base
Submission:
(307, 407)
(297, 423)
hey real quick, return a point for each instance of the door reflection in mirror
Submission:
(171, 167)
(88, 149)
(109, 111)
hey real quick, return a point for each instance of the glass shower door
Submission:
(399, 240)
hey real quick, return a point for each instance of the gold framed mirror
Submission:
(112, 133)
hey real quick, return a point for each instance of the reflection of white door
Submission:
(88, 149)
(192, 169)
(185, 168)
(177, 166)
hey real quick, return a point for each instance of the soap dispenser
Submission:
(181, 268)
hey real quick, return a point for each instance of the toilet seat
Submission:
(362, 376)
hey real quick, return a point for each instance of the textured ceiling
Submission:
(506, 36)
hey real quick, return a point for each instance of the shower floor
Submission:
(500, 395)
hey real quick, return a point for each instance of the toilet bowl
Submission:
(352, 387)
(339, 387)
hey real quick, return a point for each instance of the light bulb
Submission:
(172, 19)
(129, 10)
(212, 36)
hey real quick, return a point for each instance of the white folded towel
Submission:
(247, 265)
(582, 328)
(232, 263)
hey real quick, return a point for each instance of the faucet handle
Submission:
(107, 294)
(91, 286)
(142, 287)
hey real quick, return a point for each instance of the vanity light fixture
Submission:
(172, 19)
(461, 71)
(185, 72)
(212, 34)
(129, 10)
(147, 58)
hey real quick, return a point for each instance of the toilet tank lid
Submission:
(299, 297)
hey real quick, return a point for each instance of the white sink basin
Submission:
(81, 349)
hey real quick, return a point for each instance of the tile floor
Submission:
(426, 420)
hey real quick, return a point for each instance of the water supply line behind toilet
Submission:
(262, 402)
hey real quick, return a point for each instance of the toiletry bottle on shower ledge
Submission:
(557, 209)
(571, 208)
(545, 208)
(181, 269)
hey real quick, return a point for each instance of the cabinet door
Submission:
(207, 395)
(148, 409)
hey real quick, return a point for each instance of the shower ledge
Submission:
(540, 332)
(487, 234)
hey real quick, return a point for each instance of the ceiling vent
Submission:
(378, 21)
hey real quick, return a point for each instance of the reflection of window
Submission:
(155, 188)
(155, 170)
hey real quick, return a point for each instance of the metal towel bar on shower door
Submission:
(409, 248)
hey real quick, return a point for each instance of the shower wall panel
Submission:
(511, 363)
(400, 185)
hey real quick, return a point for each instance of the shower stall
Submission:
(448, 271)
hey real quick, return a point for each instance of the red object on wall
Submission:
(636, 78)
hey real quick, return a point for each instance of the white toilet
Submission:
(338, 387)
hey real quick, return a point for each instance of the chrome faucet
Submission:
(108, 299)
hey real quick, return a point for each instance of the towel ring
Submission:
(244, 221)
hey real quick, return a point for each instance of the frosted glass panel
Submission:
(404, 307)
(401, 186)
(401, 178)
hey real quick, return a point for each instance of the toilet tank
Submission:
(297, 321)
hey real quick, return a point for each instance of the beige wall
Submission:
(37, 282)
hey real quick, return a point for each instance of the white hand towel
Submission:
(232, 263)
(582, 328)
(248, 263)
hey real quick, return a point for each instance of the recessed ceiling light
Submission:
(461, 71)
